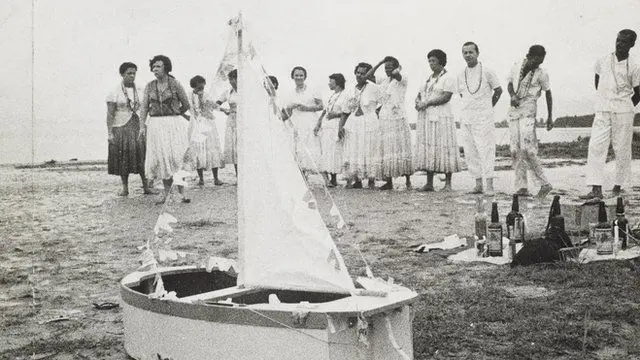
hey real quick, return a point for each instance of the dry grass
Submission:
(67, 240)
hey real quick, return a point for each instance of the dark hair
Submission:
(440, 55)
(165, 61)
(394, 61)
(630, 33)
(299, 68)
(474, 45)
(364, 65)
(197, 80)
(274, 81)
(537, 50)
(339, 79)
(233, 74)
(126, 66)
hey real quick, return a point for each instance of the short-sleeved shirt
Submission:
(616, 83)
(529, 88)
(123, 112)
(167, 102)
(476, 85)
(392, 94)
(435, 87)
(202, 105)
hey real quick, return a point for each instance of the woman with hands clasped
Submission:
(331, 122)
(301, 108)
(436, 148)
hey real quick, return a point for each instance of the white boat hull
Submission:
(177, 329)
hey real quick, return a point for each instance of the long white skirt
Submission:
(208, 153)
(167, 144)
(231, 140)
(396, 147)
(308, 146)
(362, 148)
(331, 159)
(436, 144)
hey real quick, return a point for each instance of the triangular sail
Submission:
(283, 241)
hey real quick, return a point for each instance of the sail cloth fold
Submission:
(283, 241)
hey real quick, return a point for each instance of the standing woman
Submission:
(126, 150)
(395, 137)
(362, 139)
(231, 131)
(332, 122)
(208, 154)
(166, 130)
(301, 108)
(436, 143)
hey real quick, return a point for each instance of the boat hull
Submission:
(239, 324)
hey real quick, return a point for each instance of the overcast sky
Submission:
(79, 45)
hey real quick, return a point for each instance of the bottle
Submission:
(603, 232)
(494, 233)
(622, 223)
(480, 219)
(556, 226)
(515, 222)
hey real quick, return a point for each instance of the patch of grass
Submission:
(487, 322)
(61, 346)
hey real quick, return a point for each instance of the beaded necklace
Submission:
(522, 76)
(136, 104)
(467, 83)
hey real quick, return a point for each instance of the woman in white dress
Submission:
(166, 129)
(231, 132)
(362, 151)
(330, 126)
(436, 144)
(301, 107)
(394, 128)
(203, 133)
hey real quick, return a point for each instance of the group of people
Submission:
(363, 131)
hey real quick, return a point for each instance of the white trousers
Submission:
(479, 144)
(524, 151)
(615, 128)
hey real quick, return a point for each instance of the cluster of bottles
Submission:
(609, 236)
(489, 237)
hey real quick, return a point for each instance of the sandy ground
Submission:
(67, 239)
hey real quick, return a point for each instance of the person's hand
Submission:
(110, 137)
(316, 130)
(421, 105)
(225, 111)
(341, 133)
(396, 71)
(549, 124)
(515, 102)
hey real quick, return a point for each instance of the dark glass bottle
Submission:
(603, 232)
(494, 233)
(622, 223)
(515, 222)
(480, 220)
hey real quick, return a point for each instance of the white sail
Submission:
(283, 241)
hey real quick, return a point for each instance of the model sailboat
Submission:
(293, 297)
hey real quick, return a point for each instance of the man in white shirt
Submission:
(480, 90)
(526, 82)
(617, 82)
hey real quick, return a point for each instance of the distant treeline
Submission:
(575, 121)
